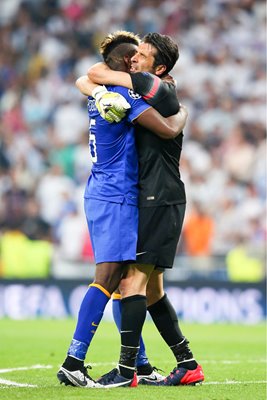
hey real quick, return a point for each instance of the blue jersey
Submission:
(114, 175)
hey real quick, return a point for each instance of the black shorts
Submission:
(158, 234)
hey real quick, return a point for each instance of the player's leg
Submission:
(165, 318)
(133, 305)
(148, 239)
(142, 362)
(106, 222)
(107, 277)
(162, 311)
(166, 321)
(90, 314)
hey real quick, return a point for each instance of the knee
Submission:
(109, 281)
(131, 286)
(128, 287)
(108, 284)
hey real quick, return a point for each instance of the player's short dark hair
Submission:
(167, 50)
(113, 40)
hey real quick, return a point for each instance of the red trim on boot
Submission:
(134, 381)
(193, 376)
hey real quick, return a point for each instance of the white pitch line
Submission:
(102, 364)
(16, 384)
(260, 360)
(37, 366)
(99, 364)
(6, 382)
(11, 383)
(234, 383)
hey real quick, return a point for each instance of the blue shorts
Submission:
(113, 230)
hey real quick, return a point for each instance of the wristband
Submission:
(98, 91)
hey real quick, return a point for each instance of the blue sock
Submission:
(116, 309)
(90, 314)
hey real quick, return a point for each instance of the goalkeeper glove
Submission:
(111, 105)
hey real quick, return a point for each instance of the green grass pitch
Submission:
(232, 356)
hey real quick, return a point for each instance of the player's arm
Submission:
(165, 128)
(152, 88)
(159, 93)
(85, 85)
(100, 73)
(149, 86)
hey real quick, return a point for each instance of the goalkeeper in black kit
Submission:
(162, 208)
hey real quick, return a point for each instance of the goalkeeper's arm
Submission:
(100, 73)
(85, 85)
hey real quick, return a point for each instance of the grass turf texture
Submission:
(232, 356)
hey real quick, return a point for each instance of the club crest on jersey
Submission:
(133, 94)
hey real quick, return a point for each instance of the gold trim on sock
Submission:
(101, 288)
(116, 296)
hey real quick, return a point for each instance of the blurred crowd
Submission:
(221, 78)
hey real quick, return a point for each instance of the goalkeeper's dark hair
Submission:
(115, 46)
(167, 50)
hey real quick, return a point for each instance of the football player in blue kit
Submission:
(111, 198)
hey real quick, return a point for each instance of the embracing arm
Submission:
(85, 85)
(165, 128)
(100, 73)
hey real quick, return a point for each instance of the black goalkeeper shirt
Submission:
(159, 175)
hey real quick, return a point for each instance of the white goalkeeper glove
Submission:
(112, 106)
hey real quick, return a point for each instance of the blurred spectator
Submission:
(87, 249)
(71, 233)
(33, 226)
(52, 190)
(23, 258)
(81, 162)
(69, 122)
(242, 264)
(239, 156)
(63, 155)
(14, 201)
(198, 231)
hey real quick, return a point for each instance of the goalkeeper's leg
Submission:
(143, 366)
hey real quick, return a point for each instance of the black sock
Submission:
(166, 321)
(72, 364)
(133, 314)
(145, 369)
